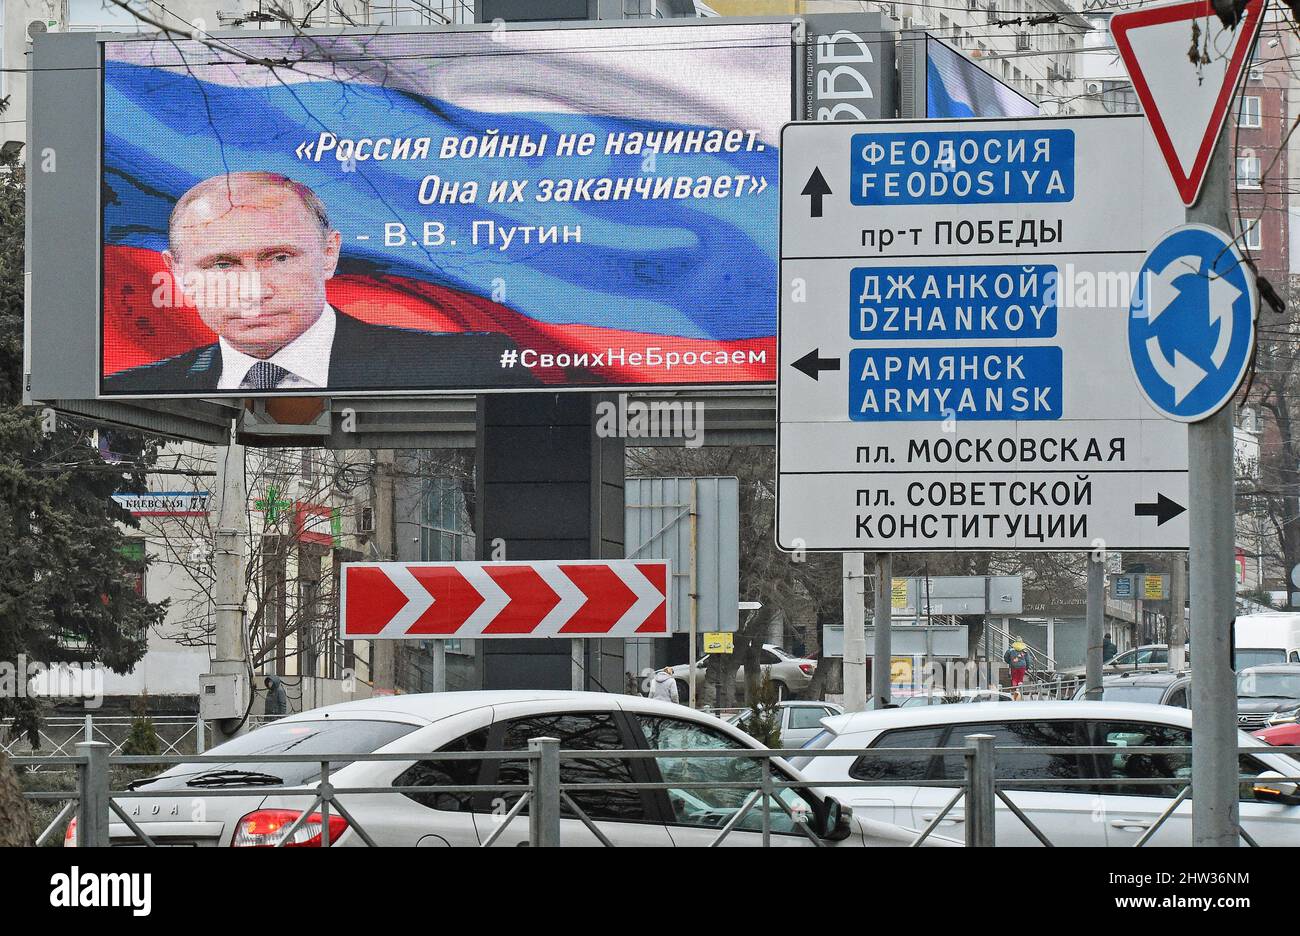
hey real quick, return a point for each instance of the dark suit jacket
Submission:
(363, 357)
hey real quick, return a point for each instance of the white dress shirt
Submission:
(306, 358)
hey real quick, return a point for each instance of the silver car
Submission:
(788, 674)
(800, 721)
(263, 800)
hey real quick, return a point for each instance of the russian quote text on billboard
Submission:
(477, 210)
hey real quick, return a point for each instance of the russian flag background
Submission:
(685, 275)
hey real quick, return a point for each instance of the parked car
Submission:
(1148, 658)
(1155, 688)
(1068, 814)
(1266, 638)
(1281, 736)
(963, 696)
(788, 674)
(800, 721)
(272, 795)
(1268, 696)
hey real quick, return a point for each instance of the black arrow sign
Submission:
(812, 365)
(816, 189)
(1163, 509)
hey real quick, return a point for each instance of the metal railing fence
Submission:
(59, 734)
(547, 796)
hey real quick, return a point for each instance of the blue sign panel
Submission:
(952, 167)
(999, 301)
(900, 384)
(1191, 324)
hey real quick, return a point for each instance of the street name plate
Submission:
(952, 346)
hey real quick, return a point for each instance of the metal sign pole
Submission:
(882, 652)
(855, 638)
(1210, 482)
(1096, 627)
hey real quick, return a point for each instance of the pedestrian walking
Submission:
(664, 687)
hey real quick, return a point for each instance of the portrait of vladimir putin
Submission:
(251, 253)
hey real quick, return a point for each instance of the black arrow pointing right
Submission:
(816, 189)
(812, 365)
(1163, 509)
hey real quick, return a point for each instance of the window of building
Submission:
(1248, 172)
(1251, 229)
(443, 522)
(1250, 114)
(416, 12)
(100, 15)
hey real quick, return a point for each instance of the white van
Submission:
(1267, 638)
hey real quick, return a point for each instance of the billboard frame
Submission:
(43, 382)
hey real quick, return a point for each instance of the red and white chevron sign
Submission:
(432, 600)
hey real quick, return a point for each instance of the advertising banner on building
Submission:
(466, 210)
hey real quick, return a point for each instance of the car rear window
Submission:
(817, 742)
(324, 736)
(1152, 694)
(1258, 656)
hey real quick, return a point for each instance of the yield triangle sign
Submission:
(1185, 104)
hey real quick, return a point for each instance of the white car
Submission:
(800, 721)
(273, 794)
(788, 674)
(964, 696)
(1105, 815)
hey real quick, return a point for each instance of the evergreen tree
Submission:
(142, 741)
(66, 593)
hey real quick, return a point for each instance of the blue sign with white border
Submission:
(1191, 327)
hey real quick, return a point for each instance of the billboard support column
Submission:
(383, 653)
(550, 486)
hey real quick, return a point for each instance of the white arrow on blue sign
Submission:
(1191, 328)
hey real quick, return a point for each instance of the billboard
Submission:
(956, 87)
(532, 208)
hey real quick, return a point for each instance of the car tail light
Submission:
(70, 836)
(266, 828)
(807, 668)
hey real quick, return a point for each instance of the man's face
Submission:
(253, 261)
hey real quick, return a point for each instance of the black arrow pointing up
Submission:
(812, 365)
(816, 189)
(1163, 509)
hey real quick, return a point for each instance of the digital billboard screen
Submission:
(442, 211)
(957, 87)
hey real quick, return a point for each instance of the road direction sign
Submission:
(1191, 325)
(453, 600)
(953, 312)
(1185, 102)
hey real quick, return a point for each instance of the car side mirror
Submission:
(1271, 788)
(834, 820)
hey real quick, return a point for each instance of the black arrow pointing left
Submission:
(1162, 509)
(812, 365)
